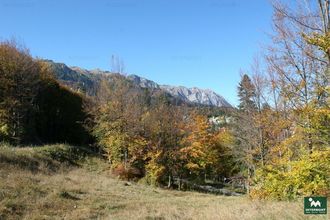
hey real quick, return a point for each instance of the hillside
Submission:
(87, 80)
(63, 182)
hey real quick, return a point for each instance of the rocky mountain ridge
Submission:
(87, 80)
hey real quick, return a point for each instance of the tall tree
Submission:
(247, 95)
(117, 127)
(164, 125)
(19, 80)
(297, 126)
(245, 129)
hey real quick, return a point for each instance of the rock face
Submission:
(197, 95)
(87, 81)
(74, 77)
(144, 83)
(193, 95)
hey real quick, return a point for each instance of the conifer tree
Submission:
(245, 129)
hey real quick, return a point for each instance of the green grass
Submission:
(64, 182)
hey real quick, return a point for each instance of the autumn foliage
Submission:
(277, 140)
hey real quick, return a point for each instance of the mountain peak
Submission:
(194, 95)
(87, 81)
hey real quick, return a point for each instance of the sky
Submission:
(193, 43)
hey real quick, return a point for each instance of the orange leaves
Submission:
(201, 146)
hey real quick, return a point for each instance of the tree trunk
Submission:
(169, 181)
(179, 184)
(248, 181)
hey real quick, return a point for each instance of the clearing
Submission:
(64, 182)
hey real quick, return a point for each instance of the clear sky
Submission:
(202, 43)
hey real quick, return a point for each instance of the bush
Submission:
(304, 177)
(127, 173)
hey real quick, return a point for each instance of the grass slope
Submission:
(63, 182)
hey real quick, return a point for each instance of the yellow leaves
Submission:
(309, 175)
(195, 150)
(4, 130)
(198, 144)
(320, 40)
(192, 166)
(314, 122)
(319, 116)
(298, 158)
(224, 138)
(155, 170)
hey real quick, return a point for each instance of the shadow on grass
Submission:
(66, 195)
(34, 165)
(48, 159)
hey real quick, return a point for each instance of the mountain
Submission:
(87, 81)
(193, 95)
(75, 77)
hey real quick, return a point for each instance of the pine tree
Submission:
(245, 129)
(246, 94)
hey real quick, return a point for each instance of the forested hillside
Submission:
(143, 133)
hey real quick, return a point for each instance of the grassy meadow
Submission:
(63, 182)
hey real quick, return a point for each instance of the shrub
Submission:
(127, 173)
(304, 177)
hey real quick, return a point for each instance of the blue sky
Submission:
(202, 43)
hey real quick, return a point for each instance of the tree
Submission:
(288, 178)
(34, 107)
(164, 128)
(60, 115)
(119, 124)
(246, 94)
(296, 128)
(245, 129)
(300, 66)
(19, 80)
(205, 152)
(197, 145)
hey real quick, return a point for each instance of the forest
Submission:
(274, 145)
